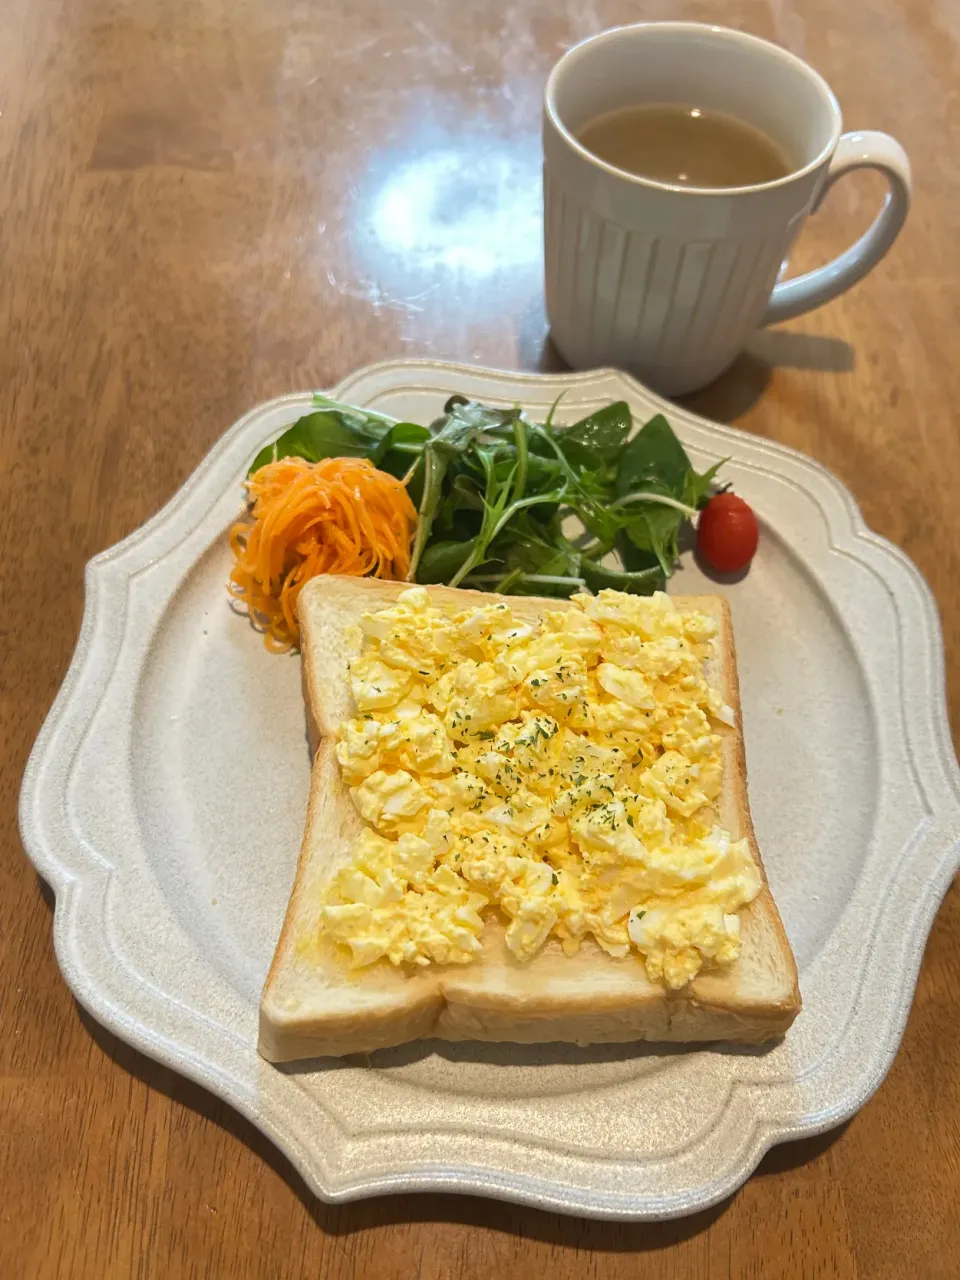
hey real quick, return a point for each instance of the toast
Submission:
(314, 1004)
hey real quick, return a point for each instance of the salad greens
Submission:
(497, 493)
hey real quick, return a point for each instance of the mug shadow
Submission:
(548, 359)
(739, 388)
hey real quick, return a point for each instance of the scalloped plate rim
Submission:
(480, 1179)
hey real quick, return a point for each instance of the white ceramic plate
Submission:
(165, 795)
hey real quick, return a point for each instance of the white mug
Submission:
(667, 281)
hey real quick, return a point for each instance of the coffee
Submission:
(685, 146)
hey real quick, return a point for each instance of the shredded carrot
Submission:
(340, 515)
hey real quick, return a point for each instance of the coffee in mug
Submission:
(685, 146)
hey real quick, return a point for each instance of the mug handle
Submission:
(868, 150)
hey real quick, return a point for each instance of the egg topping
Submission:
(565, 774)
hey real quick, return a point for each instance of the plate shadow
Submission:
(434, 1207)
(738, 389)
(403, 1207)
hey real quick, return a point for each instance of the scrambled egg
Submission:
(565, 774)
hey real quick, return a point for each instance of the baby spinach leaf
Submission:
(633, 558)
(641, 583)
(327, 433)
(441, 560)
(594, 475)
(601, 434)
(654, 460)
(400, 454)
(372, 417)
(656, 529)
(404, 437)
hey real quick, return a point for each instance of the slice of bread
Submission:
(314, 1004)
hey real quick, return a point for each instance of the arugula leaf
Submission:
(495, 499)
(535, 558)
(479, 417)
(460, 513)
(508, 581)
(518, 583)
(525, 547)
(451, 437)
(520, 443)
(595, 477)
(696, 485)
(583, 495)
(543, 474)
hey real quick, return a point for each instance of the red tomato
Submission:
(727, 533)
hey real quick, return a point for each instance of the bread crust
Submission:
(313, 1005)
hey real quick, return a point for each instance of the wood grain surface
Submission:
(206, 204)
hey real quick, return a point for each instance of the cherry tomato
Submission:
(727, 533)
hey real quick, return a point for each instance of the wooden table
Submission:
(207, 204)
